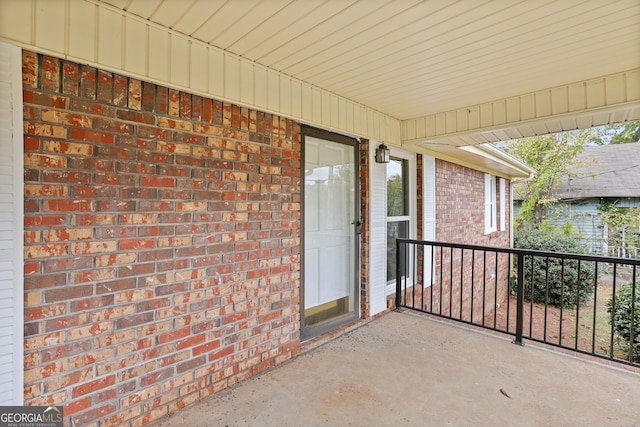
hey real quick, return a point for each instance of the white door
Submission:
(329, 230)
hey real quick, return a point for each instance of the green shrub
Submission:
(565, 288)
(621, 318)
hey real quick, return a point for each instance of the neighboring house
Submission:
(177, 218)
(601, 174)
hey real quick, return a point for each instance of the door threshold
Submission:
(326, 331)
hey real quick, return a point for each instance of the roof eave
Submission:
(518, 168)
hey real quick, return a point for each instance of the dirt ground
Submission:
(586, 328)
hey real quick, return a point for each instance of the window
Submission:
(400, 209)
(398, 217)
(490, 214)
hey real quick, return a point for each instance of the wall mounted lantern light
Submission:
(383, 154)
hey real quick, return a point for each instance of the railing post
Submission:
(520, 300)
(398, 276)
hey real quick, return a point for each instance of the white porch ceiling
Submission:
(432, 76)
(410, 58)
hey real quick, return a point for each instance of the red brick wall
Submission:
(162, 243)
(460, 207)
(460, 219)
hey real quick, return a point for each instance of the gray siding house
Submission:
(607, 173)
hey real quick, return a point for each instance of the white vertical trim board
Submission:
(11, 227)
(503, 205)
(377, 232)
(428, 210)
(511, 217)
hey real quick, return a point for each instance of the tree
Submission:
(550, 156)
(624, 133)
(623, 225)
(629, 132)
(554, 281)
(624, 308)
(395, 196)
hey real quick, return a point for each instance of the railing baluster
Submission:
(422, 282)
(431, 278)
(461, 280)
(403, 256)
(451, 282)
(398, 285)
(441, 267)
(578, 305)
(546, 299)
(632, 346)
(613, 309)
(407, 260)
(595, 307)
(411, 256)
(508, 291)
(495, 295)
(473, 269)
(484, 284)
(561, 299)
(520, 300)
(531, 299)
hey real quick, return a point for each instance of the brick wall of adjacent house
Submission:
(162, 243)
(460, 219)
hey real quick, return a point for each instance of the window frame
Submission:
(13, 239)
(411, 201)
(490, 201)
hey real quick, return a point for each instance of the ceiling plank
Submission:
(143, 8)
(301, 32)
(223, 20)
(195, 17)
(249, 23)
(264, 36)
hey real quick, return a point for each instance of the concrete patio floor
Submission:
(406, 370)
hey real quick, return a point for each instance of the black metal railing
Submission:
(587, 304)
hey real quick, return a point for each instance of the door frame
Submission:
(330, 324)
(12, 145)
